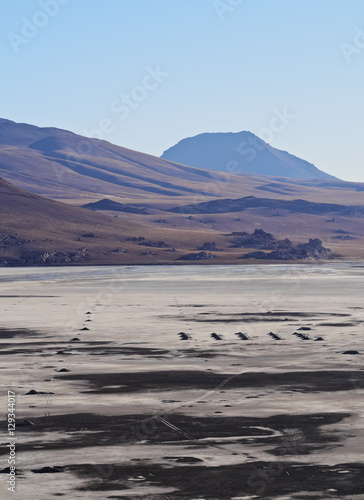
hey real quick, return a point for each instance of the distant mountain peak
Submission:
(238, 152)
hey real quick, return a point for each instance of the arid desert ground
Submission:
(163, 383)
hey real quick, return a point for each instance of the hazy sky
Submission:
(144, 74)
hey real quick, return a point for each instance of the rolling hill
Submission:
(62, 165)
(38, 231)
(134, 195)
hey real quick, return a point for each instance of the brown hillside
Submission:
(62, 165)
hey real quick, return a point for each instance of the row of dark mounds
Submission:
(274, 336)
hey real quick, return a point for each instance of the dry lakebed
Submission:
(188, 382)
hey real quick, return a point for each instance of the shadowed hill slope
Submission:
(38, 231)
(294, 206)
(62, 165)
(135, 193)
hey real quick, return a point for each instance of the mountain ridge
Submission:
(60, 164)
(145, 197)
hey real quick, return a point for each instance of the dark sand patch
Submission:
(82, 347)
(266, 479)
(208, 353)
(237, 320)
(293, 314)
(28, 296)
(307, 381)
(352, 323)
(10, 333)
(189, 305)
(286, 434)
(270, 317)
(261, 317)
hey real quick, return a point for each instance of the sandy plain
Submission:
(122, 391)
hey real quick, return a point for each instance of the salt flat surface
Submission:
(127, 409)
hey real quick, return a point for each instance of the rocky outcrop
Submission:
(209, 246)
(313, 250)
(7, 240)
(52, 258)
(154, 244)
(197, 256)
(344, 237)
(89, 235)
(136, 238)
(280, 249)
(258, 239)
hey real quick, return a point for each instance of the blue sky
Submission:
(146, 73)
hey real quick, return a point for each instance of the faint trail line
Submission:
(159, 416)
(209, 393)
(165, 412)
(204, 396)
(190, 438)
(177, 429)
